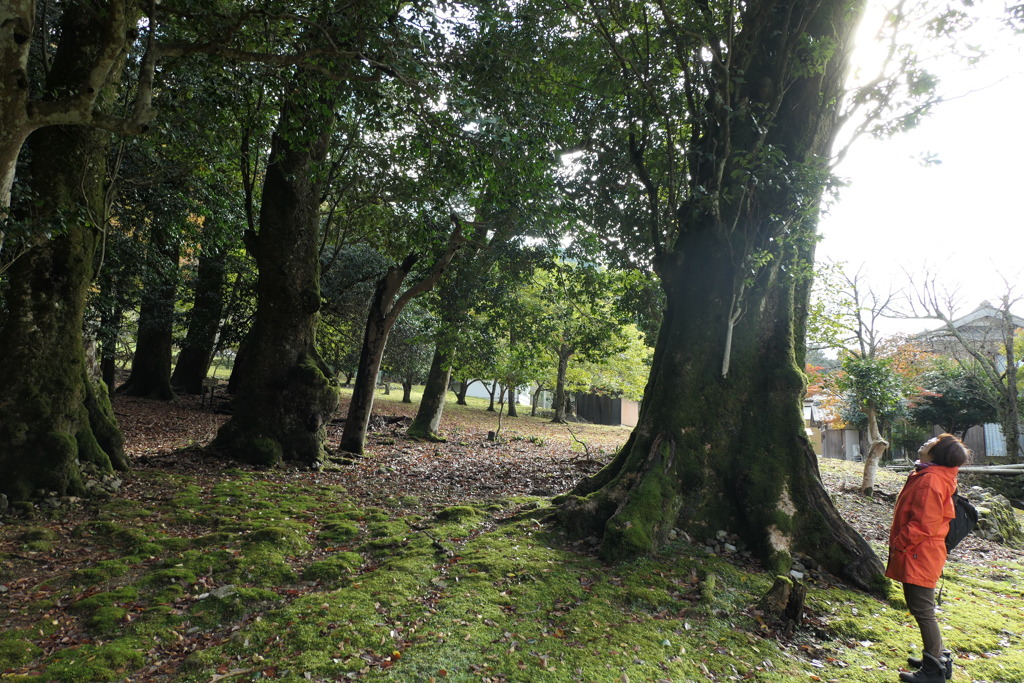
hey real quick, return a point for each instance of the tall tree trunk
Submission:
(407, 390)
(876, 447)
(720, 443)
(285, 397)
(57, 419)
(151, 362)
(560, 400)
(204, 320)
(427, 422)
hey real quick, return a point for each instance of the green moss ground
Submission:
(256, 576)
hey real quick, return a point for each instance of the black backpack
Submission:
(964, 523)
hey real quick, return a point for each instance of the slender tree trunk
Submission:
(876, 447)
(1011, 419)
(151, 362)
(560, 399)
(407, 390)
(512, 410)
(204, 320)
(492, 390)
(285, 397)
(427, 422)
(56, 418)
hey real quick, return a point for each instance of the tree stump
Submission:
(784, 603)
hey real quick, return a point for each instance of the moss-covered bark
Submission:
(720, 442)
(285, 399)
(57, 424)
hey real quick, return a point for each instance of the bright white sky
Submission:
(965, 216)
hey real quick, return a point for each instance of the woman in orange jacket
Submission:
(917, 546)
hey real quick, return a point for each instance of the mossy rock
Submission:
(17, 648)
(35, 534)
(230, 604)
(457, 513)
(338, 532)
(281, 538)
(99, 600)
(160, 578)
(334, 569)
(110, 534)
(109, 662)
(386, 529)
(263, 567)
(217, 538)
(107, 620)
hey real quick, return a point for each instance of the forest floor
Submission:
(430, 562)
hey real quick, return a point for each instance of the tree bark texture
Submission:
(151, 363)
(720, 441)
(427, 423)
(285, 398)
(84, 81)
(57, 424)
(203, 322)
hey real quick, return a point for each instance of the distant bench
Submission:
(210, 385)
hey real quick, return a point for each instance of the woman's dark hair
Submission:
(949, 451)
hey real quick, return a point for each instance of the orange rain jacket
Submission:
(917, 539)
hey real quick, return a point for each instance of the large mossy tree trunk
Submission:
(720, 442)
(57, 424)
(204, 320)
(151, 363)
(427, 423)
(713, 452)
(284, 397)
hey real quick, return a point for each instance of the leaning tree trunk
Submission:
(56, 418)
(285, 398)
(720, 443)
(207, 305)
(427, 422)
(875, 449)
(385, 308)
(151, 363)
